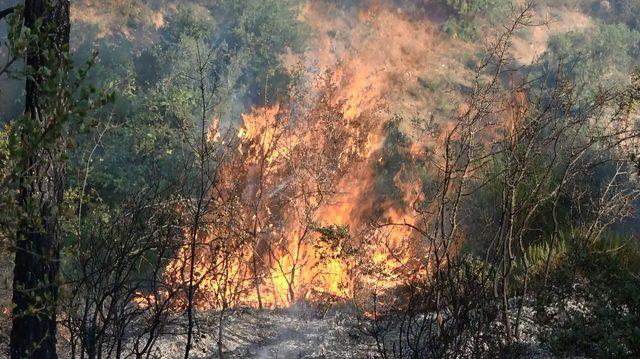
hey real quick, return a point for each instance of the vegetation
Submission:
(605, 52)
(467, 14)
(598, 316)
(184, 160)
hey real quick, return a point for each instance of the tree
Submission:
(40, 133)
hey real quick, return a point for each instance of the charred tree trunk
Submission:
(40, 186)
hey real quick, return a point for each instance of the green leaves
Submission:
(600, 55)
(333, 241)
(595, 301)
(465, 14)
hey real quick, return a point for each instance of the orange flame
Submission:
(298, 219)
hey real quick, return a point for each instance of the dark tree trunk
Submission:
(35, 288)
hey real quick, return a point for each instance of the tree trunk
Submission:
(40, 187)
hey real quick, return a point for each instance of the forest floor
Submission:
(295, 333)
(250, 333)
(274, 334)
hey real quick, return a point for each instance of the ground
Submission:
(275, 334)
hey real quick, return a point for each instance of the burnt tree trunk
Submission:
(40, 185)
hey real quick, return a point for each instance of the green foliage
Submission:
(593, 308)
(66, 96)
(470, 275)
(460, 28)
(158, 107)
(466, 13)
(618, 11)
(538, 253)
(265, 30)
(333, 241)
(258, 32)
(494, 185)
(189, 21)
(601, 55)
(466, 8)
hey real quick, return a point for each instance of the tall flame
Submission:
(296, 215)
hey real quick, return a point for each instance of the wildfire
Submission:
(294, 219)
(297, 215)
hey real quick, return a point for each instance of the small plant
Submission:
(593, 306)
(465, 13)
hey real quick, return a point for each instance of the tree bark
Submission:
(40, 187)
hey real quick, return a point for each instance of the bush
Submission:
(450, 316)
(593, 308)
(600, 56)
(264, 30)
(618, 11)
(465, 13)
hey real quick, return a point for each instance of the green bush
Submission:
(264, 30)
(618, 11)
(601, 55)
(465, 14)
(593, 308)
(471, 8)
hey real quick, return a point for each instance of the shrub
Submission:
(618, 11)
(593, 308)
(465, 13)
(600, 56)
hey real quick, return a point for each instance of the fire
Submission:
(296, 216)
(296, 227)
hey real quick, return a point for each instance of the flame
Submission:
(296, 216)
(287, 179)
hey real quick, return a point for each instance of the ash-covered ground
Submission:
(279, 334)
(273, 334)
(301, 333)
